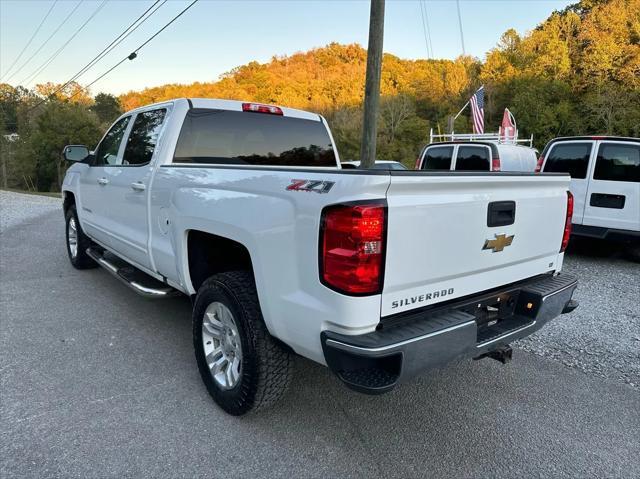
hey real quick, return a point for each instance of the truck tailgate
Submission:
(438, 232)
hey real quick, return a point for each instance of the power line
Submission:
(47, 62)
(46, 41)
(425, 29)
(426, 16)
(30, 39)
(460, 24)
(128, 31)
(119, 39)
(131, 56)
(163, 28)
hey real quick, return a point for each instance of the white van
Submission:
(605, 182)
(476, 156)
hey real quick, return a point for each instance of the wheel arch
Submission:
(68, 199)
(208, 254)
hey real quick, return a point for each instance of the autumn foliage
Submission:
(578, 72)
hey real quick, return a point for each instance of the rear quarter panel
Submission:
(279, 228)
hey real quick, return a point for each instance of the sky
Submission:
(213, 37)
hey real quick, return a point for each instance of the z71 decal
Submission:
(316, 186)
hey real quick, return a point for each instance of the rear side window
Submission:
(473, 158)
(572, 158)
(245, 138)
(618, 162)
(438, 158)
(143, 137)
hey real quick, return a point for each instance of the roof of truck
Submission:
(495, 146)
(590, 137)
(232, 105)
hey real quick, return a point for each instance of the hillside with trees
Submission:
(578, 72)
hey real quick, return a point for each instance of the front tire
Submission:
(242, 366)
(77, 241)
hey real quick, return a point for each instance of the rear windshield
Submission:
(438, 158)
(572, 158)
(618, 162)
(473, 158)
(245, 138)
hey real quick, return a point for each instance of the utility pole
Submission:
(372, 85)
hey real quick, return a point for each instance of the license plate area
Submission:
(497, 315)
(491, 310)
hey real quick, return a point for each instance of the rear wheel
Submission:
(77, 241)
(242, 366)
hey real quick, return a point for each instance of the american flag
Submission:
(477, 108)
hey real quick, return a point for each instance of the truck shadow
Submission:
(597, 248)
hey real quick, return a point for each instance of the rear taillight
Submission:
(352, 246)
(260, 108)
(539, 164)
(417, 167)
(567, 223)
(495, 164)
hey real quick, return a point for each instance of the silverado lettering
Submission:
(422, 298)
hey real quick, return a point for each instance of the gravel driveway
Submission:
(17, 207)
(98, 382)
(602, 337)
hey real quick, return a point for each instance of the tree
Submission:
(106, 107)
(395, 111)
(72, 92)
(59, 124)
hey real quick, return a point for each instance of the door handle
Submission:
(138, 186)
(103, 181)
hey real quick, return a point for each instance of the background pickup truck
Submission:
(377, 274)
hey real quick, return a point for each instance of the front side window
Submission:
(438, 158)
(473, 158)
(246, 138)
(107, 151)
(572, 158)
(143, 137)
(618, 162)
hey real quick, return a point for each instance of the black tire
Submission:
(266, 367)
(81, 260)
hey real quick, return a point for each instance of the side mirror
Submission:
(75, 153)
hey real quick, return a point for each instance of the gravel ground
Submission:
(18, 207)
(602, 336)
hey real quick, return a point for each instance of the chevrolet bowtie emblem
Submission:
(499, 243)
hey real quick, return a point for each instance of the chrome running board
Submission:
(137, 280)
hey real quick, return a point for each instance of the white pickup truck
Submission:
(378, 274)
